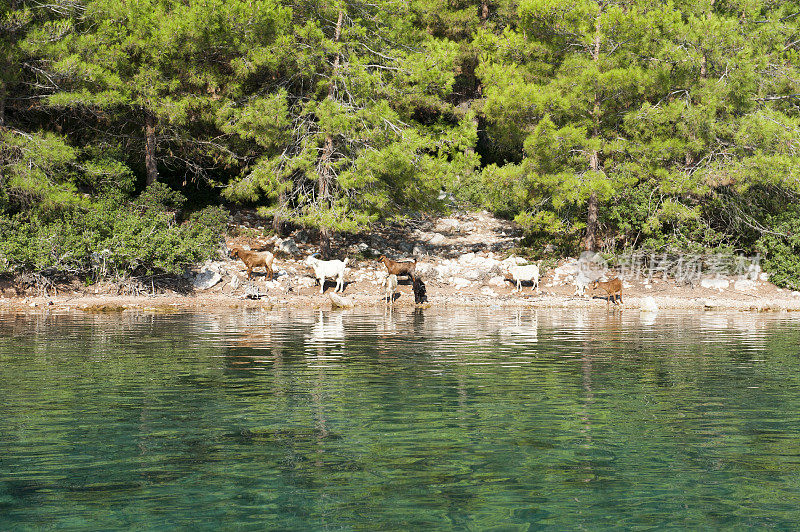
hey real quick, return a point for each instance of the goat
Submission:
(328, 268)
(420, 293)
(612, 289)
(400, 267)
(253, 259)
(529, 272)
(390, 282)
(581, 284)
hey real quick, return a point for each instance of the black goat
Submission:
(420, 293)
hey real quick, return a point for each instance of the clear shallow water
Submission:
(461, 419)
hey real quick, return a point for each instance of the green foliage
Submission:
(127, 240)
(158, 197)
(50, 220)
(781, 249)
(679, 118)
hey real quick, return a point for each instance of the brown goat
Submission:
(613, 288)
(400, 268)
(253, 259)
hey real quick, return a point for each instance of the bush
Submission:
(159, 197)
(781, 249)
(136, 242)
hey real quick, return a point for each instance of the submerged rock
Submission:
(340, 302)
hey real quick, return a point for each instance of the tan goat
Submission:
(253, 259)
(400, 267)
(613, 288)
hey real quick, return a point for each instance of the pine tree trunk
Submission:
(150, 149)
(326, 173)
(591, 224)
(277, 219)
(594, 156)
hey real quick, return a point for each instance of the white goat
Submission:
(581, 283)
(328, 268)
(529, 272)
(390, 282)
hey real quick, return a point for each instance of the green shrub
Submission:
(159, 197)
(781, 249)
(136, 242)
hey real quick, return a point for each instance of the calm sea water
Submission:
(457, 419)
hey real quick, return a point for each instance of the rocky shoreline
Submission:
(462, 259)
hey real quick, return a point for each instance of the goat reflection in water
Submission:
(522, 329)
(327, 330)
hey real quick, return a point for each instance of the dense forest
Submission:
(129, 129)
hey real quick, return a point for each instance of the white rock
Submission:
(497, 280)
(570, 267)
(488, 292)
(287, 246)
(213, 266)
(426, 270)
(362, 246)
(437, 240)
(443, 270)
(716, 284)
(206, 279)
(460, 283)
(304, 282)
(648, 304)
(513, 260)
(592, 257)
(490, 263)
(764, 276)
(467, 258)
(235, 282)
(626, 285)
(472, 275)
(795, 293)
(252, 291)
(448, 225)
(340, 302)
(744, 284)
(273, 285)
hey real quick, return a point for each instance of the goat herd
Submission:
(335, 269)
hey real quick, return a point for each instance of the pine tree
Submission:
(157, 66)
(356, 129)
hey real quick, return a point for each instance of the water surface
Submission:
(448, 419)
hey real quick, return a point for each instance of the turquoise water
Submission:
(461, 419)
